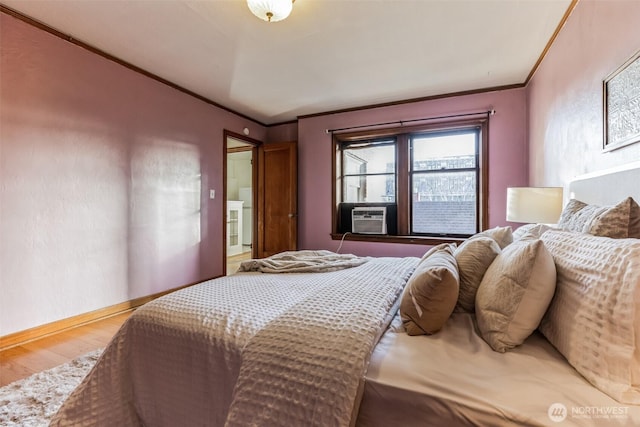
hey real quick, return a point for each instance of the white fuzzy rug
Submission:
(34, 400)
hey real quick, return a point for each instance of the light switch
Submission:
(212, 194)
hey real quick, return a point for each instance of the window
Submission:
(431, 177)
(444, 171)
(369, 171)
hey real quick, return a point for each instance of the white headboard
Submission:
(607, 187)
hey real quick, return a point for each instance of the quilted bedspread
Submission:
(247, 349)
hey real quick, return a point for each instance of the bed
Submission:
(248, 349)
(454, 378)
(324, 344)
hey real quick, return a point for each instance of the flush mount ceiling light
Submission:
(271, 10)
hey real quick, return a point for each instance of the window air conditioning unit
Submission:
(369, 220)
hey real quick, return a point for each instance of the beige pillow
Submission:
(502, 235)
(529, 231)
(474, 256)
(572, 219)
(619, 221)
(515, 293)
(594, 317)
(431, 292)
(634, 220)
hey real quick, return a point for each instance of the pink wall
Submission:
(106, 174)
(565, 95)
(104, 181)
(507, 161)
(282, 133)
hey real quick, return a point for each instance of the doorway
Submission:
(240, 211)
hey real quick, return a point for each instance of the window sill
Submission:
(409, 240)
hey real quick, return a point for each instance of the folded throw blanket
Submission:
(305, 261)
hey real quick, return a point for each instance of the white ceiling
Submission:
(328, 55)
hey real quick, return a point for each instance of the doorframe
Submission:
(254, 143)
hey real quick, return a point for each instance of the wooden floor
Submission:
(233, 262)
(24, 360)
(45, 353)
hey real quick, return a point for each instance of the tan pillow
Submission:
(474, 256)
(529, 231)
(571, 218)
(502, 235)
(515, 293)
(594, 317)
(431, 292)
(619, 221)
(634, 220)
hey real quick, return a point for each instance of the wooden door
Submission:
(277, 198)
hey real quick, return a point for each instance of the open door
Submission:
(277, 198)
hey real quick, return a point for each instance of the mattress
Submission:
(453, 378)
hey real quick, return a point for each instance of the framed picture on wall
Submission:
(621, 102)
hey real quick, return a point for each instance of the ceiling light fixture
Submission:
(271, 10)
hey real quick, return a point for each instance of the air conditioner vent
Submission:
(369, 220)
